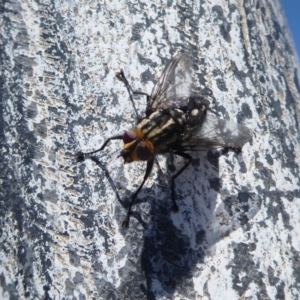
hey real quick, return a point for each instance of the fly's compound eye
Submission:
(129, 136)
(143, 151)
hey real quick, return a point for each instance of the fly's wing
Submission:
(174, 86)
(217, 133)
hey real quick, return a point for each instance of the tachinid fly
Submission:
(176, 122)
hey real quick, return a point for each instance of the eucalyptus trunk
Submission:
(236, 234)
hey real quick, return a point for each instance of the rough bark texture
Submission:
(236, 235)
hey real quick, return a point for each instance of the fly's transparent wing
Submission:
(217, 133)
(174, 86)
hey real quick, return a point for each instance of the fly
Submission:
(176, 122)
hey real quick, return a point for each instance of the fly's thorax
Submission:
(136, 148)
(163, 128)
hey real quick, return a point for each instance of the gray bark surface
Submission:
(236, 235)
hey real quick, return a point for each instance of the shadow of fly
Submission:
(176, 122)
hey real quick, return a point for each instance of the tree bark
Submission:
(236, 235)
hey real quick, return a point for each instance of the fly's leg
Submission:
(125, 223)
(80, 155)
(121, 76)
(187, 156)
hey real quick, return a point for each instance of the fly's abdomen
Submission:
(195, 116)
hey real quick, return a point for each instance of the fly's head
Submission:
(135, 147)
